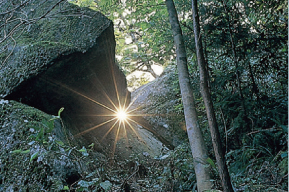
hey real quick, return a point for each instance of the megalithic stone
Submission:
(64, 56)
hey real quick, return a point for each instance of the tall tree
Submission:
(197, 143)
(216, 140)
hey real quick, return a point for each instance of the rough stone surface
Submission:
(31, 157)
(155, 103)
(64, 56)
(38, 43)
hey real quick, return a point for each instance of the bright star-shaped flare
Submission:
(121, 115)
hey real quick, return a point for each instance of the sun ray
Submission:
(102, 89)
(129, 124)
(121, 114)
(116, 90)
(86, 97)
(114, 82)
(92, 128)
(161, 139)
(125, 99)
(92, 100)
(134, 109)
(109, 130)
(125, 133)
(115, 141)
(98, 115)
(124, 119)
(133, 101)
(150, 115)
(112, 71)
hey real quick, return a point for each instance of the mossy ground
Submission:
(31, 161)
(32, 158)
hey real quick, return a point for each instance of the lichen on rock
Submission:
(42, 33)
(61, 55)
(31, 157)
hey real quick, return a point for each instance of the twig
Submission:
(144, 7)
(282, 178)
(4, 13)
(125, 181)
(48, 11)
(11, 32)
(9, 53)
(269, 129)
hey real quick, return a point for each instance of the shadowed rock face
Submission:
(86, 84)
(66, 65)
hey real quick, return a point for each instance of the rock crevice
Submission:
(66, 59)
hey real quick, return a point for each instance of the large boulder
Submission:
(54, 55)
(31, 157)
(158, 108)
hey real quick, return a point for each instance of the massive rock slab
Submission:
(52, 167)
(55, 55)
(155, 107)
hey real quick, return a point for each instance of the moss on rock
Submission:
(41, 32)
(31, 156)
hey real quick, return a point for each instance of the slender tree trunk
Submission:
(235, 61)
(197, 143)
(255, 87)
(151, 71)
(219, 153)
(246, 125)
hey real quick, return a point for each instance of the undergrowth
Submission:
(33, 159)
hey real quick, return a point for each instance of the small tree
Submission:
(197, 143)
(221, 162)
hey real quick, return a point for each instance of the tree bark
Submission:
(255, 87)
(196, 140)
(216, 140)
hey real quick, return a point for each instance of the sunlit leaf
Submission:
(16, 151)
(26, 151)
(33, 156)
(211, 162)
(105, 185)
(60, 111)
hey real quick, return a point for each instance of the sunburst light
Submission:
(119, 116)
(122, 114)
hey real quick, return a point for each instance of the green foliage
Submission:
(84, 3)
(175, 171)
(37, 158)
(245, 45)
(66, 188)
(134, 82)
(244, 41)
(142, 32)
(252, 166)
(106, 185)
